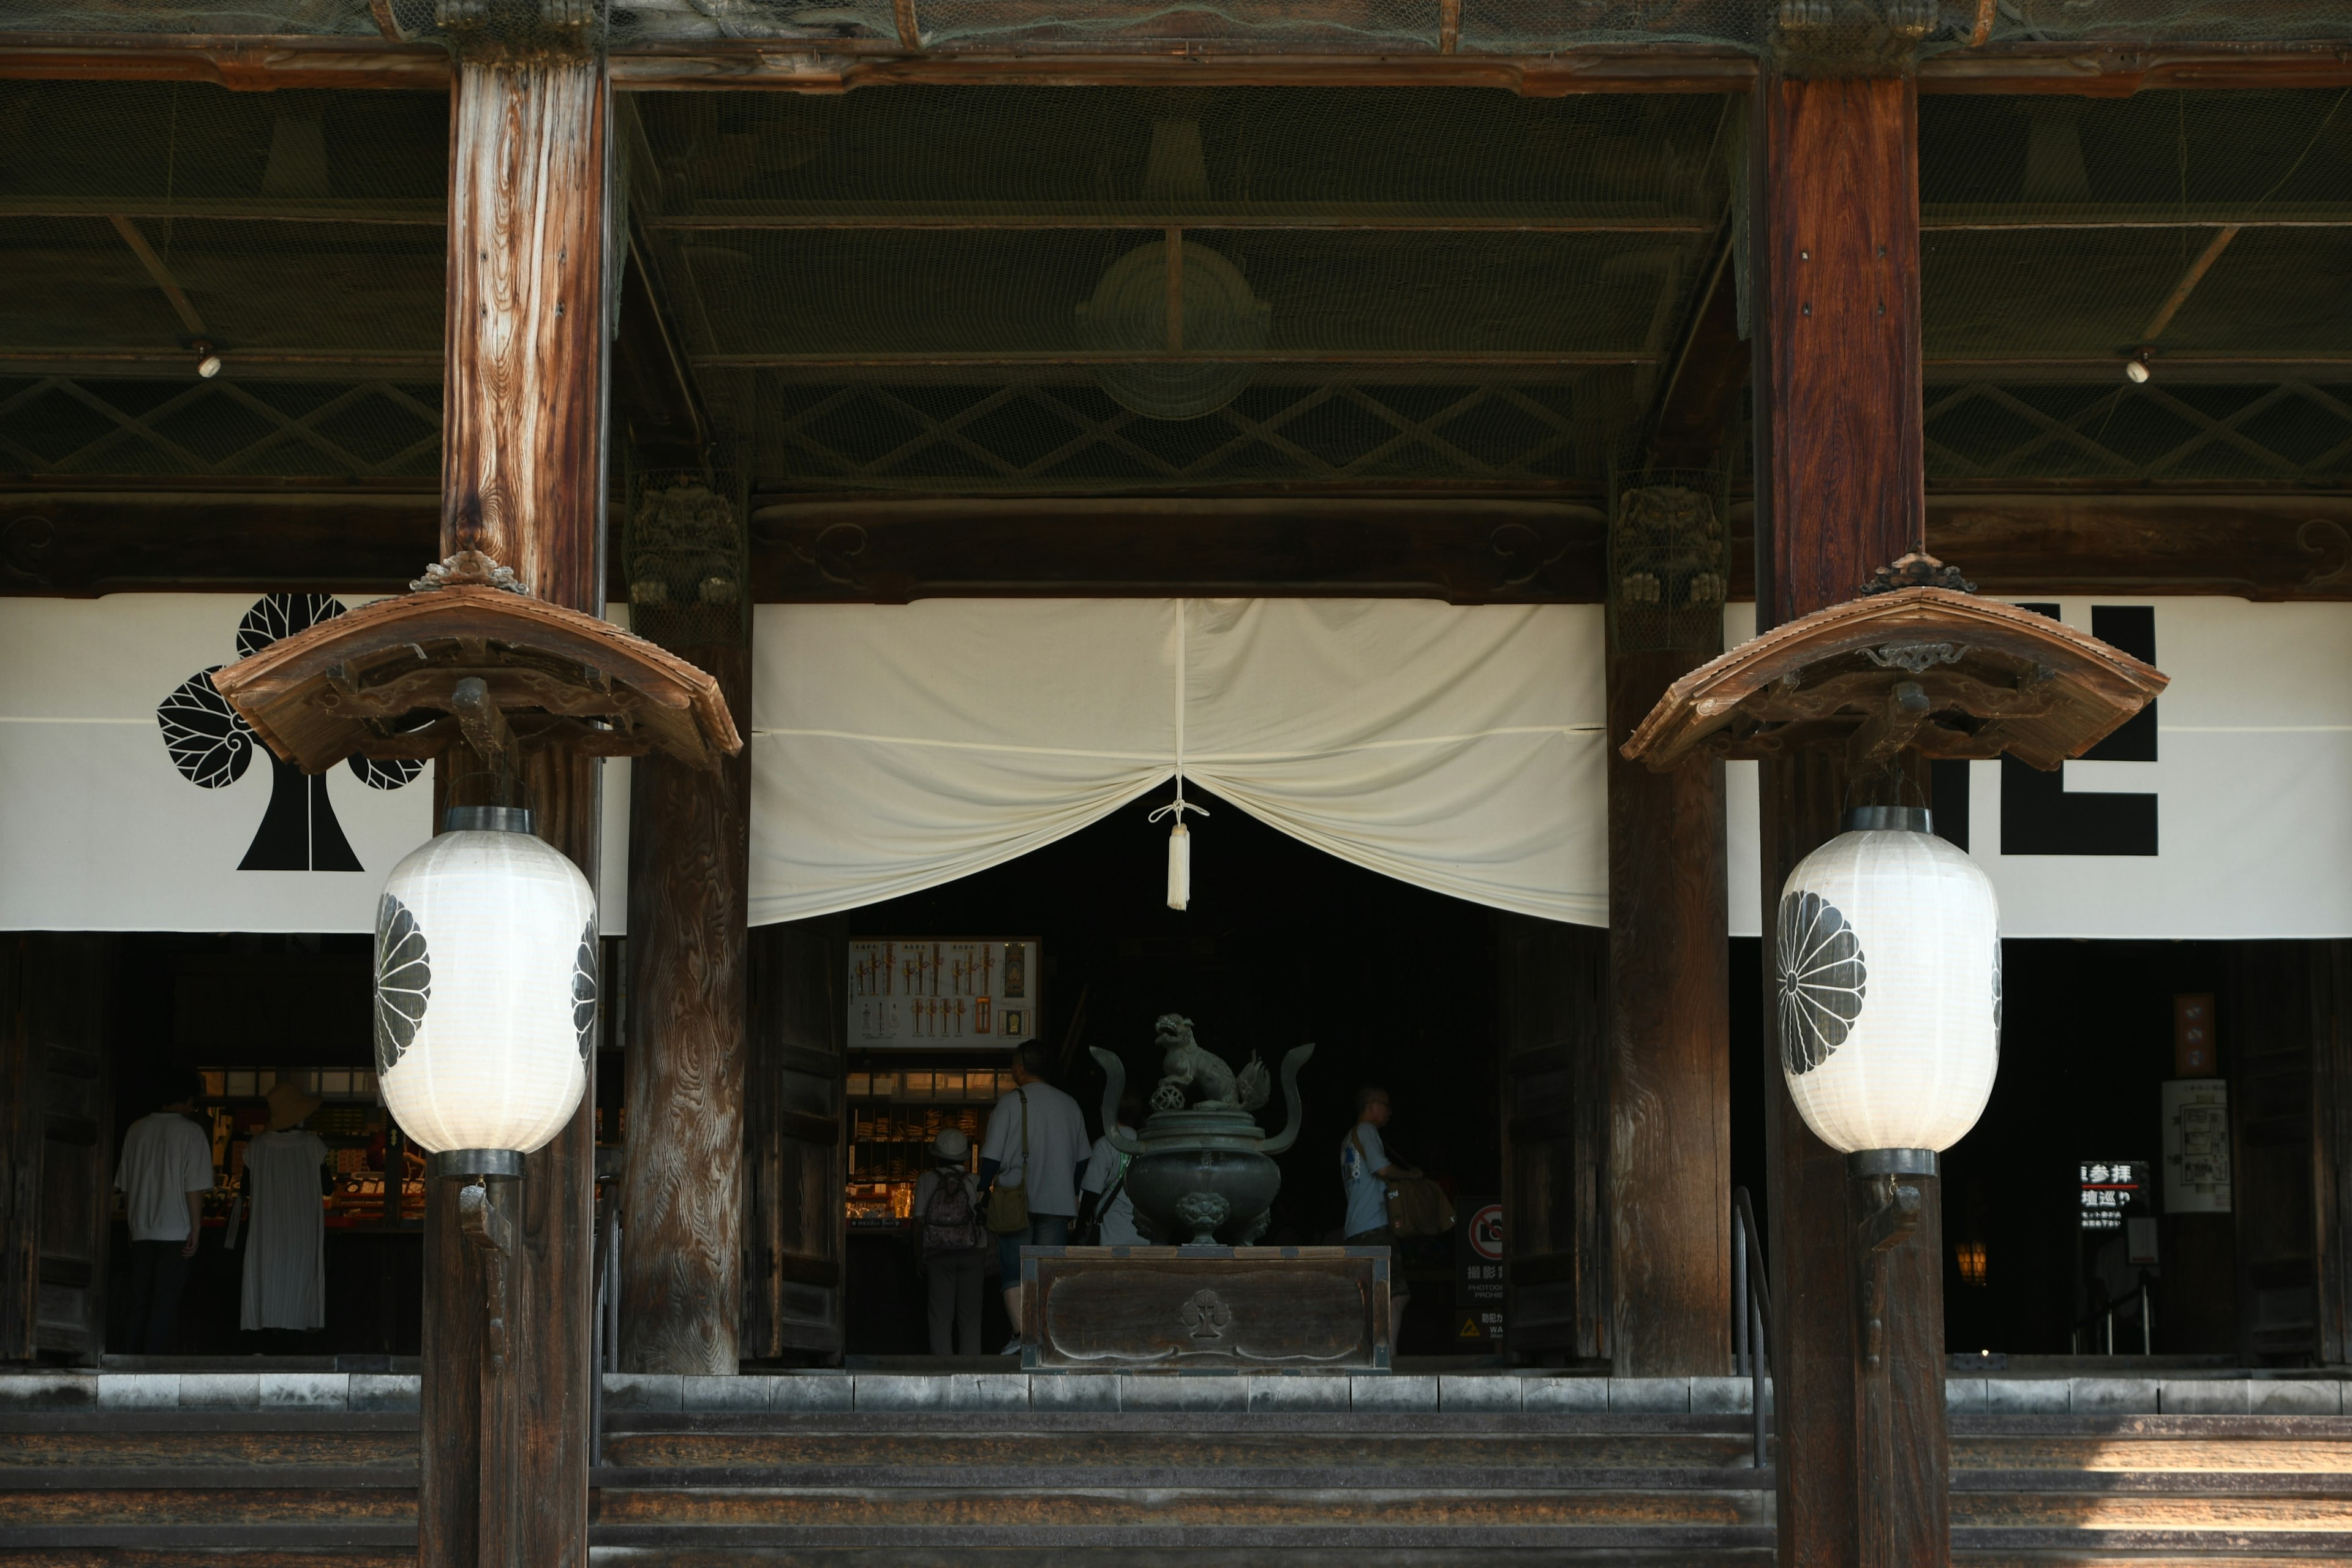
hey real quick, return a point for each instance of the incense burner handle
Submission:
(1290, 1065)
(1114, 1083)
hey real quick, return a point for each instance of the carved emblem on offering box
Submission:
(1206, 1308)
(940, 993)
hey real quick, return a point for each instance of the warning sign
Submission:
(1478, 1328)
(1478, 1253)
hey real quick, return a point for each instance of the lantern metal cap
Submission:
(1890, 819)
(1891, 1161)
(488, 1164)
(486, 819)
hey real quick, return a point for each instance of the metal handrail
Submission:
(2106, 1318)
(606, 1353)
(1751, 1327)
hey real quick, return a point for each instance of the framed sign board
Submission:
(944, 993)
(2197, 1146)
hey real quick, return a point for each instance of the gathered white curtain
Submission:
(898, 747)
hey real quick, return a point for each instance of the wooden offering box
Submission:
(1204, 1308)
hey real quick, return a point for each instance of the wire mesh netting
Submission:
(1071, 288)
(1097, 290)
(2206, 234)
(294, 240)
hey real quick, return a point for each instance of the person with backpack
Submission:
(954, 1244)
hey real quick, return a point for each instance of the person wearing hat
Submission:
(954, 1243)
(286, 1240)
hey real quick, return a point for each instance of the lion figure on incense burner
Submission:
(1200, 1080)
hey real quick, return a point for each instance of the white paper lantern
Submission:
(485, 986)
(1887, 954)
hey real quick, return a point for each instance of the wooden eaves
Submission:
(1931, 669)
(385, 681)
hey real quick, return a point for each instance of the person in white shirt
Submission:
(1103, 1194)
(166, 1169)
(1036, 1140)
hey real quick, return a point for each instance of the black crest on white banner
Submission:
(1823, 980)
(212, 746)
(404, 982)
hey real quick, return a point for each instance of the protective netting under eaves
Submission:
(1099, 290)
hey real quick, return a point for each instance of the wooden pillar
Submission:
(523, 481)
(681, 1271)
(1669, 1043)
(1840, 491)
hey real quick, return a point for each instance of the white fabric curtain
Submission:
(898, 747)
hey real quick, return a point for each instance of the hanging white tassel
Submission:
(1180, 866)
(1180, 846)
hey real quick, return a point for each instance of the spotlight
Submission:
(2136, 369)
(208, 363)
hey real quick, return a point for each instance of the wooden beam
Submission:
(655, 396)
(1375, 217)
(1840, 491)
(1669, 1130)
(1669, 1118)
(1461, 550)
(254, 64)
(1699, 403)
(161, 274)
(681, 1278)
(832, 64)
(2284, 546)
(2111, 68)
(522, 481)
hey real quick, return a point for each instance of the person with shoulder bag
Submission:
(954, 1244)
(1030, 1162)
(1381, 1193)
(1106, 1212)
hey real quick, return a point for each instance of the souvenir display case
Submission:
(894, 1112)
(360, 1138)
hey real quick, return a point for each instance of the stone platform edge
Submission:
(1531, 1393)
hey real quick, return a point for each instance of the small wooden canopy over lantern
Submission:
(1917, 662)
(1885, 943)
(468, 655)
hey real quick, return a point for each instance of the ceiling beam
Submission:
(1011, 361)
(77, 543)
(1699, 404)
(654, 393)
(159, 274)
(1484, 217)
(815, 64)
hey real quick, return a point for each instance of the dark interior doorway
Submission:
(1281, 944)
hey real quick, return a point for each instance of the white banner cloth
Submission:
(2251, 781)
(102, 827)
(898, 747)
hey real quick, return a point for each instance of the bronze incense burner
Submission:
(1203, 1172)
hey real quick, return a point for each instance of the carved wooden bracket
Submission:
(1930, 670)
(468, 655)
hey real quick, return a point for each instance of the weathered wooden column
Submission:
(523, 481)
(683, 1189)
(1669, 996)
(1840, 491)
